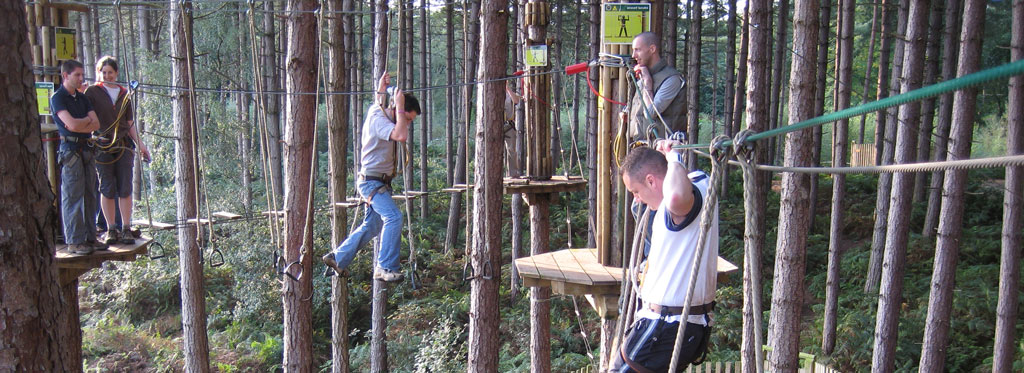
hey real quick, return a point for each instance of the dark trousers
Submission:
(649, 344)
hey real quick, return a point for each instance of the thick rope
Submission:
(999, 72)
(706, 215)
(628, 288)
(268, 171)
(751, 257)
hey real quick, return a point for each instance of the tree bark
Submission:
(242, 113)
(520, 116)
(950, 51)
(193, 301)
(427, 98)
(33, 336)
(882, 88)
(794, 215)
(758, 12)
(540, 297)
(449, 129)
(595, 48)
(378, 322)
(340, 29)
(670, 31)
(931, 69)
(693, 79)
(730, 71)
(740, 101)
(825, 21)
(844, 84)
(894, 260)
(888, 139)
(867, 71)
(940, 299)
(1013, 204)
(774, 102)
(272, 79)
(490, 157)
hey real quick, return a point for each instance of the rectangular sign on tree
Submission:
(621, 22)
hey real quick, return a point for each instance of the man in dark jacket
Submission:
(661, 91)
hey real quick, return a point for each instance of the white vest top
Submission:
(673, 250)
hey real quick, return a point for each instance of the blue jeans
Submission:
(381, 207)
(78, 195)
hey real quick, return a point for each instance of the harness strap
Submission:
(632, 364)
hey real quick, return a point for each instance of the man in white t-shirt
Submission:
(659, 179)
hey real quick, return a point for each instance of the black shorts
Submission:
(115, 173)
(649, 344)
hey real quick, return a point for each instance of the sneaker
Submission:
(387, 275)
(128, 237)
(80, 249)
(112, 237)
(333, 264)
(97, 246)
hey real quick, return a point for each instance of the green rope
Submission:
(999, 72)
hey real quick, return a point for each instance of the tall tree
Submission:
(887, 137)
(450, 92)
(882, 88)
(193, 301)
(483, 321)
(670, 31)
(32, 337)
(844, 85)
(931, 70)
(740, 101)
(950, 51)
(693, 78)
(1013, 204)
(776, 78)
(425, 126)
(595, 48)
(940, 299)
(794, 214)
(758, 12)
(471, 34)
(824, 22)
(730, 70)
(272, 83)
(894, 260)
(378, 322)
(242, 114)
(339, 31)
(867, 71)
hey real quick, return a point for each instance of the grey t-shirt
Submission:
(378, 150)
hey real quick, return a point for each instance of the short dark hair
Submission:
(642, 161)
(412, 104)
(649, 38)
(107, 61)
(69, 66)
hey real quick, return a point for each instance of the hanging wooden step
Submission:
(155, 225)
(556, 184)
(457, 188)
(224, 215)
(72, 266)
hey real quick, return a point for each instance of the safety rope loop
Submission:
(163, 251)
(219, 261)
(707, 213)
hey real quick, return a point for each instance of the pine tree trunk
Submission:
(693, 79)
(556, 88)
(824, 21)
(794, 215)
(844, 83)
(193, 301)
(758, 12)
(950, 51)
(425, 126)
(670, 32)
(271, 83)
(378, 321)
(730, 72)
(740, 101)
(882, 88)
(490, 156)
(449, 129)
(867, 71)
(517, 198)
(244, 136)
(888, 140)
(894, 259)
(540, 297)
(778, 59)
(595, 23)
(940, 299)
(1013, 204)
(339, 30)
(37, 320)
(931, 69)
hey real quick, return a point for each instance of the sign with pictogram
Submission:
(64, 40)
(43, 92)
(537, 55)
(620, 22)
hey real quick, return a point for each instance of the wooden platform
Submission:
(155, 225)
(457, 188)
(71, 266)
(578, 272)
(557, 184)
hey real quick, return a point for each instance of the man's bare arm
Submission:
(677, 188)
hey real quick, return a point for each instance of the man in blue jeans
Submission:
(76, 120)
(381, 130)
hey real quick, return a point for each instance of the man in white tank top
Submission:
(659, 179)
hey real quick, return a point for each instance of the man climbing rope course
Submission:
(658, 178)
(381, 130)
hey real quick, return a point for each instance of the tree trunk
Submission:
(1013, 203)
(825, 20)
(340, 29)
(427, 99)
(37, 321)
(271, 83)
(940, 299)
(844, 83)
(517, 198)
(950, 51)
(595, 48)
(556, 89)
(740, 101)
(378, 322)
(758, 12)
(794, 216)
(885, 141)
(693, 79)
(193, 301)
(540, 297)
(891, 289)
(867, 71)
(777, 61)
(730, 72)
(242, 113)
(470, 28)
(490, 157)
(931, 69)
(451, 91)
(670, 32)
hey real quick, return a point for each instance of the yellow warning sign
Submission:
(64, 39)
(620, 22)
(43, 92)
(537, 55)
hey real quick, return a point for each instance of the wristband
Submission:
(674, 156)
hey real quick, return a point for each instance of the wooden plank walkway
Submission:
(71, 266)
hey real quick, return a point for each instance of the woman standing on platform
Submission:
(115, 160)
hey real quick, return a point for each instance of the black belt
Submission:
(672, 311)
(384, 179)
(74, 139)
